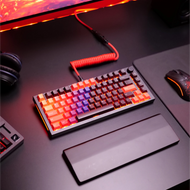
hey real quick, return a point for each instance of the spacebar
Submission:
(95, 112)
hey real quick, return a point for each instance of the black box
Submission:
(174, 12)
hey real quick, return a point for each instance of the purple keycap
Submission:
(81, 98)
(81, 91)
(79, 105)
(72, 120)
(85, 109)
(86, 96)
(75, 93)
(73, 106)
(85, 102)
(73, 113)
(87, 89)
(75, 99)
(79, 111)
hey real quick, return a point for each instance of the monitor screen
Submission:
(11, 10)
(18, 13)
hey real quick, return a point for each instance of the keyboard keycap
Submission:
(2, 147)
(95, 112)
(129, 88)
(4, 141)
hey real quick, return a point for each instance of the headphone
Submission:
(10, 66)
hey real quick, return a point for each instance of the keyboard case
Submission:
(10, 139)
(131, 90)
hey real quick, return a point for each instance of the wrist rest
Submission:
(127, 144)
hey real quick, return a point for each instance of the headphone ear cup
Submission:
(8, 75)
(10, 67)
(11, 60)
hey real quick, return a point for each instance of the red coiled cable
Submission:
(97, 59)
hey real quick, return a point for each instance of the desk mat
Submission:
(120, 147)
(154, 68)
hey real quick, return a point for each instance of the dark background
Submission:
(46, 50)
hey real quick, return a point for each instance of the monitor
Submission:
(18, 13)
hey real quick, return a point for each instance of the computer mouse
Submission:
(180, 81)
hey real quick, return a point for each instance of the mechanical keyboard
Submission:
(71, 107)
(10, 139)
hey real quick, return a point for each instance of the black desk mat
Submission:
(154, 68)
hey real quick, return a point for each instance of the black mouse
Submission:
(180, 81)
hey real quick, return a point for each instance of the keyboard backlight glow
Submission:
(42, 118)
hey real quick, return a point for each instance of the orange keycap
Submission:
(56, 118)
(141, 97)
(129, 88)
(135, 100)
(48, 108)
(50, 101)
(51, 113)
(56, 98)
(56, 105)
(137, 93)
(61, 110)
(65, 122)
(69, 95)
(63, 97)
(69, 101)
(62, 103)
(67, 115)
(86, 83)
(80, 85)
(146, 95)
(40, 97)
(74, 87)
(92, 81)
(56, 126)
(43, 103)
(67, 108)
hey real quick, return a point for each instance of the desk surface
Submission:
(46, 50)
(154, 68)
